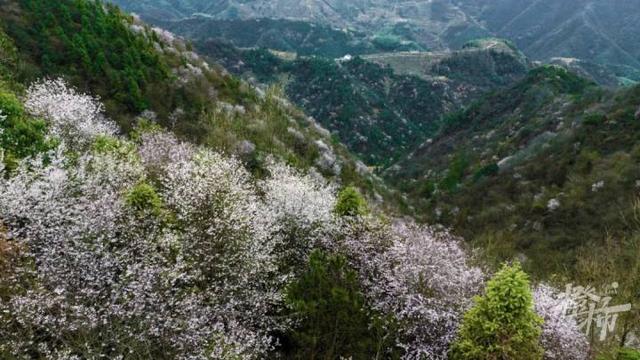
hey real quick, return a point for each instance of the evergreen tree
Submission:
(335, 322)
(351, 203)
(503, 324)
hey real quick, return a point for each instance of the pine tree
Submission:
(335, 321)
(503, 324)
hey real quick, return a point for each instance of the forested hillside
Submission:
(379, 111)
(155, 205)
(147, 73)
(546, 168)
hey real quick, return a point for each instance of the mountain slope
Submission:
(299, 37)
(379, 113)
(594, 30)
(145, 73)
(544, 169)
(421, 21)
(599, 31)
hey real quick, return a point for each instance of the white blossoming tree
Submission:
(302, 206)
(561, 337)
(73, 117)
(421, 276)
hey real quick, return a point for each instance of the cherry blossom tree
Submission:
(302, 206)
(561, 337)
(73, 117)
(418, 274)
(309, 199)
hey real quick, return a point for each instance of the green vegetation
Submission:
(628, 354)
(94, 46)
(485, 63)
(376, 114)
(601, 263)
(8, 56)
(144, 199)
(20, 134)
(335, 320)
(90, 41)
(455, 173)
(555, 78)
(552, 136)
(351, 203)
(391, 42)
(503, 323)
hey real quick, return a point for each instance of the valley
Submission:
(477, 133)
(278, 179)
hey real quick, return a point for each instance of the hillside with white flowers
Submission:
(144, 74)
(149, 247)
(155, 206)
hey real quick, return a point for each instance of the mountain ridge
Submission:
(548, 28)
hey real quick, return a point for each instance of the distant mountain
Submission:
(603, 32)
(599, 31)
(300, 37)
(379, 109)
(421, 21)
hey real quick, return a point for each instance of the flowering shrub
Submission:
(160, 149)
(73, 117)
(302, 206)
(420, 275)
(561, 337)
(308, 199)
